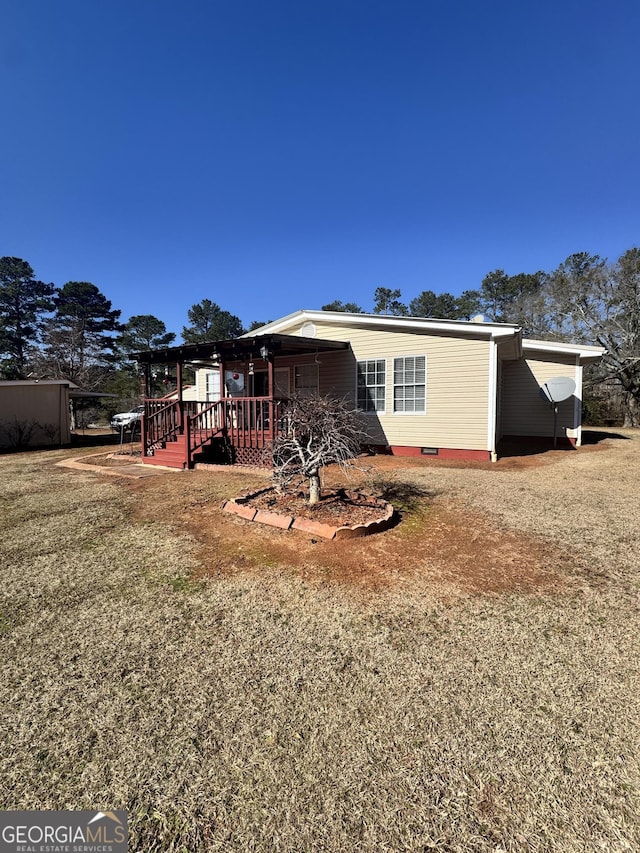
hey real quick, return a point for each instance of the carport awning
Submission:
(78, 393)
(238, 349)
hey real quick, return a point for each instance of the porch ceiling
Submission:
(238, 348)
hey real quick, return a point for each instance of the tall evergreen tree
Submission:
(79, 340)
(24, 301)
(338, 305)
(210, 323)
(442, 306)
(497, 295)
(143, 332)
(469, 304)
(257, 324)
(516, 299)
(387, 301)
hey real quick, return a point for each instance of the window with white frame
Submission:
(409, 384)
(371, 385)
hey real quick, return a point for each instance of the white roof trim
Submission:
(412, 324)
(582, 351)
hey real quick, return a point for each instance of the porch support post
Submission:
(145, 392)
(271, 391)
(179, 389)
(223, 387)
(270, 376)
(224, 410)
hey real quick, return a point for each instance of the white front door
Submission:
(212, 391)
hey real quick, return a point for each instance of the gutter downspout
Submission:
(492, 400)
(577, 406)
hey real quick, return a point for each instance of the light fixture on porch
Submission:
(250, 368)
(264, 352)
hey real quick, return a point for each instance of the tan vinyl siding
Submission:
(457, 385)
(523, 410)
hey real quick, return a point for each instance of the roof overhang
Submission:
(248, 346)
(583, 353)
(37, 382)
(75, 392)
(88, 395)
(416, 325)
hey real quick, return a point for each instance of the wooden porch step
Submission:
(172, 455)
(169, 462)
(177, 454)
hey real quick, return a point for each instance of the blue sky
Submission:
(273, 156)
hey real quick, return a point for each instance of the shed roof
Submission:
(75, 392)
(34, 382)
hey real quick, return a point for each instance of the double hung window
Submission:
(371, 385)
(409, 384)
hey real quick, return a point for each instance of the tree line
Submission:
(73, 332)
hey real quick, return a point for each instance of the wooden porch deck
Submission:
(175, 432)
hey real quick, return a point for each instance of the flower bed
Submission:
(339, 515)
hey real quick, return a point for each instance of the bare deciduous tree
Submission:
(318, 431)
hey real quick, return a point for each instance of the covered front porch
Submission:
(236, 408)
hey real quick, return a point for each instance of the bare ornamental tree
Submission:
(317, 431)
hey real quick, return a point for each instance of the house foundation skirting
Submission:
(434, 452)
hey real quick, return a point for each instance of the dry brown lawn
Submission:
(467, 681)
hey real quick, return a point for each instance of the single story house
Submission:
(445, 388)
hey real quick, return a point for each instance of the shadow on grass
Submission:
(509, 447)
(405, 496)
(94, 439)
(595, 436)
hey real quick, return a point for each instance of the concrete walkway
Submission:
(133, 470)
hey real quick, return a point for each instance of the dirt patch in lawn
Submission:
(336, 507)
(438, 542)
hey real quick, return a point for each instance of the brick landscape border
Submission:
(239, 506)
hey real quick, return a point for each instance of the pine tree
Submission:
(24, 301)
(78, 342)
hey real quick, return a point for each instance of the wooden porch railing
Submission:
(162, 420)
(203, 421)
(250, 422)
